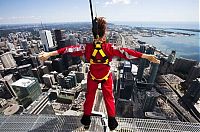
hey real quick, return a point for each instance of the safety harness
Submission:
(98, 48)
(94, 60)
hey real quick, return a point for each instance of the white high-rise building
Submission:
(10, 46)
(46, 39)
(8, 60)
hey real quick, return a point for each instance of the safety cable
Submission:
(94, 20)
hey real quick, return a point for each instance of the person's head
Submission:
(100, 27)
(173, 52)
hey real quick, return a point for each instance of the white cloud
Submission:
(23, 17)
(113, 2)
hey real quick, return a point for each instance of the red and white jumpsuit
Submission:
(100, 71)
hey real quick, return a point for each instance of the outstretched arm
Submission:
(73, 50)
(131, 54)
(45, 55)
(151, 58)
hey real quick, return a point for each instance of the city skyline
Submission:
(50, 59)
(35, 11)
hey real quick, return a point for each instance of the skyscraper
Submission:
(10, 46)
(49, 80)
(24, 44)
(49, 65)
(72, 39)
(4, 91)
(46, 39)
(35, 61)
(58, 65)
(58, 36)
(27, 90)
(8, 60)
(25, 70)
(6, 86)
(193, 92)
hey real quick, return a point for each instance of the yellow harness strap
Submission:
(100, 79)
(99, 49)
(95, 52)
(104, 60)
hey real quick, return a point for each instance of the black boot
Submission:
(112, 123)
(85, 120)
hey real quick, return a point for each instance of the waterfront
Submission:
(185, 46)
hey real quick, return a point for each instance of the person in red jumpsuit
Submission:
(99, 54)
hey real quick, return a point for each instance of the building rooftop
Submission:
(12, 109)
(24, 82)
(52, 123)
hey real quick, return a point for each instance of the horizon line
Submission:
(108, 22)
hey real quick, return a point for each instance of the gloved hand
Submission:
(151, 58)
(44, 56)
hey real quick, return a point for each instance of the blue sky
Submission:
(35, 11)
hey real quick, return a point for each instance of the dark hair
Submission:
(99, 27)
(173, 51)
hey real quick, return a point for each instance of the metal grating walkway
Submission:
(51, 123)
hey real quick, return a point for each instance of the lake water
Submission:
(185, 46)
